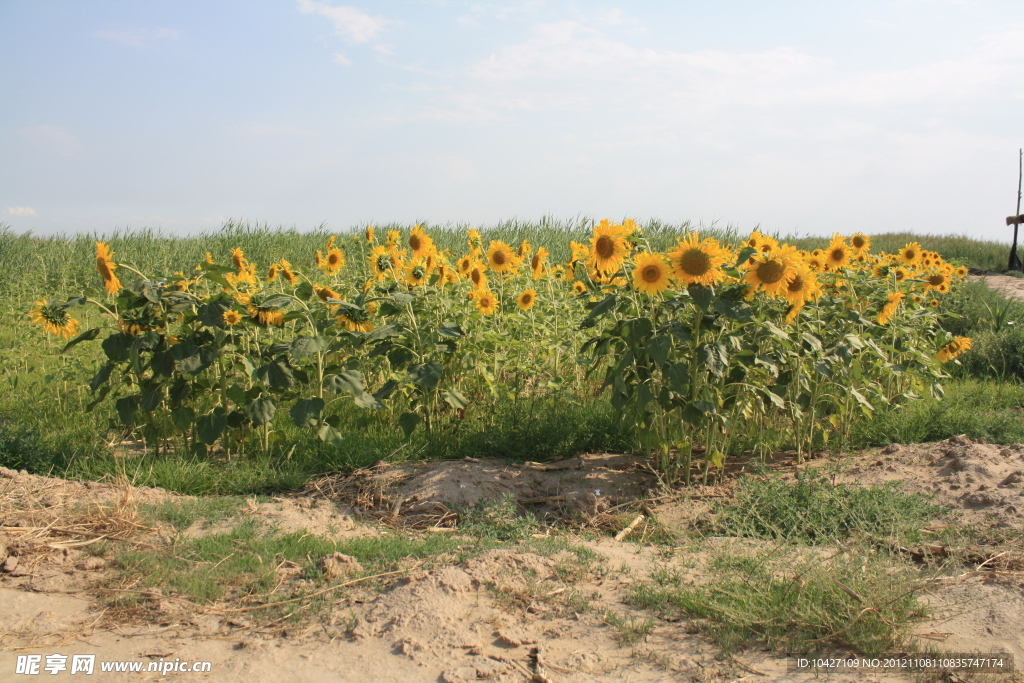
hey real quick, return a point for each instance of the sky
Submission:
(795, 117)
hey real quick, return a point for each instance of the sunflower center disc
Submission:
(651, 274)
(695, 262)
(605, 247)
(770, 272)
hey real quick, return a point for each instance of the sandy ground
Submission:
(1011, 287)
(505, 615)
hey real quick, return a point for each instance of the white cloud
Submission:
(138, 37)
(57, 138)
(342, 59)
(349, 22)
(569, 67)
(20, 211)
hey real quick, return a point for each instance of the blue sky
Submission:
(800, 117)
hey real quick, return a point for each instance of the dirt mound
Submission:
(421, 495)
(982, 481)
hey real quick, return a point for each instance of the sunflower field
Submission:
(699, 346)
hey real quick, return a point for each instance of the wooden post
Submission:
(1015, 221)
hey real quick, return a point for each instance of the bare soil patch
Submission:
(520, 611)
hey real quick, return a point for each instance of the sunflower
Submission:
(238, 258)
(232, 318)
(526, 300)
(579, 287)
(773, 272)
(961, 272)
(264, 315)
(478, 276)
(380, 262)
(580, 252)
(368, 234)
(880, 270)
(537, 263)
(525, 249)
(816, 262)
(837, 256)
(860, 243)
(333, 262)
(608, 248)
(416, 274)
(901, 274)
(698, 261)
(802, 288)
(762, 243)
(54, 319)
(325, 293)
(209, 256)
(420, 243)
(393, 237)
(651, 274)
(953, 349)
(287, 273)
(501, 258)
(486, 302)
(355, 320)
(272, 272)
(917, 298)
(934, 303)
(889, 308)
(106, 268)
(474, 241)
(910, 254)
(936, 280)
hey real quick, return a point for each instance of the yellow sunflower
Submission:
(526, 300)
(106, 268)
(608, 248)
(889, 308)
(934, 303)
(537, 263)
(580, 252)
(486, 302)
(901, 274)
(478, 277)
(272, 272)
(420, 243)
(953, 349)
(772, 272)
(837, 256)
(333, 262)
(355, 320)
(936, 280)
(500, 257)
(464, 265)
(368, 234)
(232, 318)
(579, 287)
(238, 258)
(802, 288)
(651, 274)
(380, 262)
(416, 273)
(961, 272)
(696, 261)
(54, 319)
(860, 243)
(910, 254)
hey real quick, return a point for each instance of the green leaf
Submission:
(126, 407)
(261, 411)
(277, 302)
(408, 422)
(426, 375)
(101, 377)
(88, 335)
(451, 331)
(599, 309)
(306, 411)
(116, 346)
(329, 434)
(277, 374)
(455, 399)
(745, 253)
(304, 291)
(212, 314)
(781, 334)
(347, 381)
(180, 390)
(678, 376)
(774, 398)
(152, 399)
(701, 295)
(307, 346)
(386, 390)
(236, 394)
(182, 417)
(658, 348)
(403, 298)
(734, 310)
(384, 332)
(715, 457)
(212, 425)
(367, 400)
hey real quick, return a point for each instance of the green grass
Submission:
(813, 510)
(980, 408)
(794, 602)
